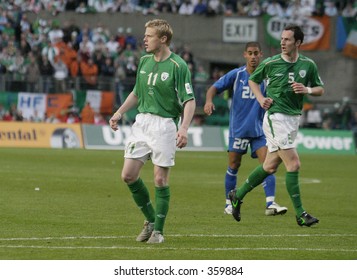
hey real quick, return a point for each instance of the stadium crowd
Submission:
(46, 56)
(187, 7)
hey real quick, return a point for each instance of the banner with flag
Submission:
(42, 104)
(350, 48)
(100, 101)
(316, 29)
(347, 36)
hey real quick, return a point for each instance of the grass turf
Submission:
(72, 205)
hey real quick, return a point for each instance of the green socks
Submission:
(292, 185)
(162, 199)
(254, 179)
(142, 199)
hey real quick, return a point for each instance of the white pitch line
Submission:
(160, 248)
(176, 235)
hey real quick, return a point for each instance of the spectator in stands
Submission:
(120, 37)
(200, 8)
(164, 6)
(345, 111)
(119, 77)
(2, 111)
(86, 47)
(16, 114)
(113, 46)
(274, 8)
(350, 11)
(330, 9)
(47, 71)
(71, 5)
(103, 6)
(297, 9)
(128, 7)
(87, 114)
(130, 39)
(99, 119)
(32, 74)
(85, 31)
(72, 117)
(55, 34)
(107, 72)
(69, 27)
(200, 78)
(3, 19)
(186, 8)
(149, 7)
(214, 7)
(327, 119)
(36, 117)
(319, 8)
(7, 116)
(82, 8)
(90, 72)
(100, 32)
(24, 46)
(60, 75)
(67, 54)
(254, 9)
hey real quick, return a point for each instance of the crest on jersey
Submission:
(164, 76)
(302, 73)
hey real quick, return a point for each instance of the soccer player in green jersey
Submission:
(290, 76)
(162, 93)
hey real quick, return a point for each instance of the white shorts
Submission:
(153, 137)
(280, 130)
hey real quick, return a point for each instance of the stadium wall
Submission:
(201, 138)
(204, 36)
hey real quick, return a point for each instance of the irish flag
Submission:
(350, 48)
(100, 101)
(347, 36)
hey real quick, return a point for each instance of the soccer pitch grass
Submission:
(72, 205)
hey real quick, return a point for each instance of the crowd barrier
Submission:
(201, 138)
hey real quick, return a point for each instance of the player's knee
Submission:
(160, 181)
(128, 178)
(270, 168)
(293, 166)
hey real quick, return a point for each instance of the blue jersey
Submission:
(246, 115)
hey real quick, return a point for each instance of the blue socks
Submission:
(269, 189)
(230, 181)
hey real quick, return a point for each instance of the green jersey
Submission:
(163, 87)
(280, 75)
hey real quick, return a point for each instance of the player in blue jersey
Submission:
(245, 125)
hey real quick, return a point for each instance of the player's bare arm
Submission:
(209, 106)
(264, 102)
(129, 103)
(188, 113)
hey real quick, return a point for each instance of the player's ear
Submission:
(163, 39)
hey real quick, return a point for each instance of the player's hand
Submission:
(113, 122)
(209, 108)
(265, 103)
(181, 138)
(299, 88)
